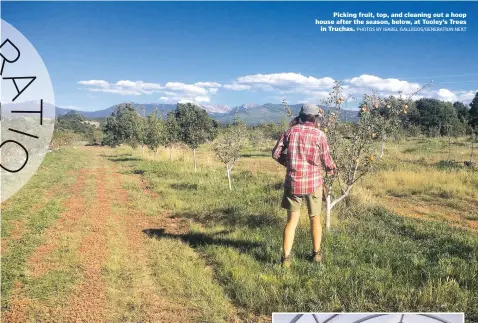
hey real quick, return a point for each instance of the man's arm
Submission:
(277, 150)
(325, 158)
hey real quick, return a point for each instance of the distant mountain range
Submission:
(249, 113)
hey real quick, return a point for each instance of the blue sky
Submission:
(101, 53)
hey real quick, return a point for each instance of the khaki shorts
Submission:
(293, 202)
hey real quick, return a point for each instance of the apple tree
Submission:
(352, 146)
(229, 145)
(154, 132)
(124, 125)
(196, 126)
(353, 150)
(171, 133)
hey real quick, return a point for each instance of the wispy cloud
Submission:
(303, 88)
(207, 84)
(73, 107)
(123, 87)
(183, 87)
(463, 96)
(389, 85)
(280, 82)
(314, 89)
(172, 91)
(237, 87)
(99, 83)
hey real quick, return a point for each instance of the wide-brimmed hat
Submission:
(310, 109)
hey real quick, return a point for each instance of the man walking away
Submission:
(304, 151)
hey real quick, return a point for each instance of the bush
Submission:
(449, 164)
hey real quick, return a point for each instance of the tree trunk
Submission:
(383, 146)
(229, 177)
(449, 147)
(195, 167)
(155, 153)
(142, 149)
(471, 159)
(170, 154)
(328, 209)
(330, 204)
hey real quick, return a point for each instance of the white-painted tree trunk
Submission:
(155, 153)
(330, 205)
(327, 210)
(142, 149)
(384, 138)
(471, 158)
(229, 177)
(170, 154)
(195, 166)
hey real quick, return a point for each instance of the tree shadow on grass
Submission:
(233, 217)
(123, 159)
(184, 186)
(277, 186)
(255, 155)
(116, 155)
(442, 246)
(196, 240)
(439, 240)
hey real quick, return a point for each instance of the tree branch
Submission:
(337, 200)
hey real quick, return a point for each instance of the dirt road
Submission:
(92, 264)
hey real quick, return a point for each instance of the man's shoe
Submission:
(285, 262)
(315, 256)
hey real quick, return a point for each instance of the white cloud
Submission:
(390, 85)
(94, 83)
(467, 96)
(202, 99)
(237, 87)
(180, 99)
(116, 91)
(446, 95)
(315, 96)
(287, 85)
(285, 80)
(189, 101)
(207, 84)
(183, 87)
(172, 91)
(284, 84)
(450, 96)
(138, 85)
(123, 87)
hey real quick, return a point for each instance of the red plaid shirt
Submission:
(307, 154)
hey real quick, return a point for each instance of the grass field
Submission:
(113, 235)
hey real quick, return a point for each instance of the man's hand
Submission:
(332, 171)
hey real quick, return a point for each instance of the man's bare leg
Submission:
(316, 230)
(289, 231)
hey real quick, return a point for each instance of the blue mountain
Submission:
(249, 113)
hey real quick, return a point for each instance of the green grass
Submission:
(375, 260)
(181, 275)
(13, 261)
(21, 208)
